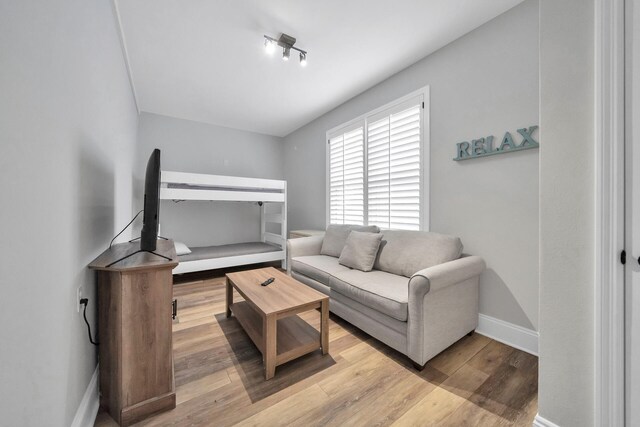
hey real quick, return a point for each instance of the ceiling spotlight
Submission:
(269, 46)
(286, 42)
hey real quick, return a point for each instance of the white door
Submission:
(632, 214)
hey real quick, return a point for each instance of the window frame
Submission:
(425, 158)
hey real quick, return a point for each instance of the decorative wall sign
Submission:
(482, 147)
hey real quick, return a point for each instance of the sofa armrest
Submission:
(443, 306)
(303, 246)
(440, 276)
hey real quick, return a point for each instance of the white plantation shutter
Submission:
(394, 177)
(346, 177)
(378, 173)
(375, 168)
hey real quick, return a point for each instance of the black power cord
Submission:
(85, 302)
(127, 226)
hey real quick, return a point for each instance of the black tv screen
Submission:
(150, 217)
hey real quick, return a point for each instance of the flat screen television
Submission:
(150, 216)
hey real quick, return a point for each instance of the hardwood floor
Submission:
(361, 382)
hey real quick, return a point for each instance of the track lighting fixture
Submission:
(286, 42)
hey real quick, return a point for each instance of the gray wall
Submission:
(67, 128)
(189, 146)
(567, 212)
(482, 84)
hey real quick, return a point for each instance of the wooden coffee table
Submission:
(269, 315)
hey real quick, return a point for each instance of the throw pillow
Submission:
(360, 250)
(336, 237)
(181, 248)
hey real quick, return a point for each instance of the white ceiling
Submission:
(204, 60)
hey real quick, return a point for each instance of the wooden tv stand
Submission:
(134, 324)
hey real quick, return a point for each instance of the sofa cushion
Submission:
(360, 250)
(320, 287)
(383, 319)
(317, 267)
(385, 292)
(336, 236)
(406, 252)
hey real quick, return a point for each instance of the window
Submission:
(375, 167)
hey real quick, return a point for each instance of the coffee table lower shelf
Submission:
(294, 336)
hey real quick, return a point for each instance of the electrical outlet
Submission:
(79, 296)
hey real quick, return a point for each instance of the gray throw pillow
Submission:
(336, 236)
(360, 250)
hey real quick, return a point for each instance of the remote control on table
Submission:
(268, 281)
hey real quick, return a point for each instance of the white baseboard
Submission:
(539, 421)
(88, 409)
(516, 336)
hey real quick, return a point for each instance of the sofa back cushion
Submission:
(336, 237)
(407, 252)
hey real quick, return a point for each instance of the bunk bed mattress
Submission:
(224, 251)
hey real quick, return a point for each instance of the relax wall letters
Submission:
(482, 147)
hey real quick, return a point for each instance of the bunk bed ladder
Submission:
(280, 218)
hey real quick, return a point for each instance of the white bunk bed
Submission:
(181, 186)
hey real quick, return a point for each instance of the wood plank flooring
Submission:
(361, 382)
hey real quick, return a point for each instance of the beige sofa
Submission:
(420, 297)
